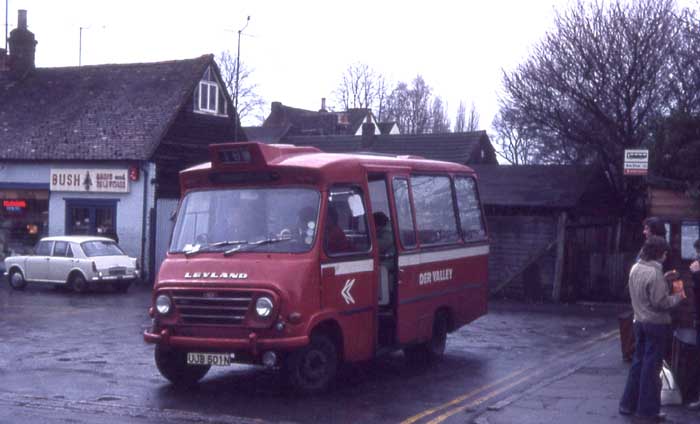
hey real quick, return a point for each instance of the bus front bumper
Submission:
(251, 344)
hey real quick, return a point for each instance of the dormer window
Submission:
(209, 97)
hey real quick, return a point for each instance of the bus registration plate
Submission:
(216, 359)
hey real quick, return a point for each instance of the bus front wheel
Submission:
(312, 368)
(172, 364)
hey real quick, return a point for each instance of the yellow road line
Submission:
(462, 398)
(427, 412)
(482, 399)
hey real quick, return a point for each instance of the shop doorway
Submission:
(92, 217)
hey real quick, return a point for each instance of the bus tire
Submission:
(172, 365)
(17, 280)
(433, 349)
(312, 368)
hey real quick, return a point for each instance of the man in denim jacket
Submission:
(651, 301)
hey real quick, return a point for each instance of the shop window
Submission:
(97, 218)
(24, 217)
(690, 231)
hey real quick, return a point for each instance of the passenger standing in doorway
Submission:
(651, 301)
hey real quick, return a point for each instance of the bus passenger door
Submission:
(407, 261)
(385, 252)
(347, 270)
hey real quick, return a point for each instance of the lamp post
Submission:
(238, 72)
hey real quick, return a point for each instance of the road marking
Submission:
(457, 405)
(459, 399)
(482, 399)
(346, 291)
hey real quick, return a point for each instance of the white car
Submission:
(75, 261)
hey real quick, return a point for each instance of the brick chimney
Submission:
(323, 105)
(22, 47)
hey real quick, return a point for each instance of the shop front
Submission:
(24, 214)
(110, 199)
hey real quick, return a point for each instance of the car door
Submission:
(37, 267)
(61, 262)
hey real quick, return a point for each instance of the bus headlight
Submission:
(263, 307)
(163, 304)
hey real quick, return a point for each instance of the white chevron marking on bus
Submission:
(346, 291)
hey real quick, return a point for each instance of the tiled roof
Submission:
(94, 112)
(310, 122)
(463, 148)
(560, 186)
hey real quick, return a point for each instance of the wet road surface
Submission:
(73, 358)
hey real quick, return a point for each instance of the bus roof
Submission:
(248, 155)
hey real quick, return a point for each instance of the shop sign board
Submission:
(636, 161)
(90, 180)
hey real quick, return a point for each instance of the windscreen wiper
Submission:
(208, 247)
(268, 240)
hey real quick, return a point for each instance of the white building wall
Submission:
(132, 214)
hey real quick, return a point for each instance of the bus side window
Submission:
(471, 221)
(435, 212)
(407, 233)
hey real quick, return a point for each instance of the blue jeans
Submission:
(643, 390)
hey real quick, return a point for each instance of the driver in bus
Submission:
(336, 240)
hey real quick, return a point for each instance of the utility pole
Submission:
(7, 27)
(80, 47)
(238, 71)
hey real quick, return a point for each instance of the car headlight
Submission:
(163, 304)
(263, 307)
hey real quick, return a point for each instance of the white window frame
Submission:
(205, 86)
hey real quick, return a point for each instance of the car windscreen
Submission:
(101, 248)
(247, 219)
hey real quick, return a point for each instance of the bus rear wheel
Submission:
(172, 365)
(434, 349)
(312, 368)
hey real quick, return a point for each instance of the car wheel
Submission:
(17, 280)
(433, 349)
(312, 368)
(121, 286)
(172, 365)
(79, 284)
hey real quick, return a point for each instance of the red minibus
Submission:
(293, 258)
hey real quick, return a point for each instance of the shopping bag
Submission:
(670, 391)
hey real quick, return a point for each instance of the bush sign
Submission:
(636, 161)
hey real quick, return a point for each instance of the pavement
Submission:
(586, 393)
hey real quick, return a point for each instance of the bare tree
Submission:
(250, 104)
(461, 119)
(410, 106)
(473, 121)
(361, 87)
(597, 80)
(684, 68)
(440, 121)
(510, 142)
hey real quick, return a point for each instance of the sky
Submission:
(297, 49)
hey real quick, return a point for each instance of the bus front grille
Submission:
(212, 307)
